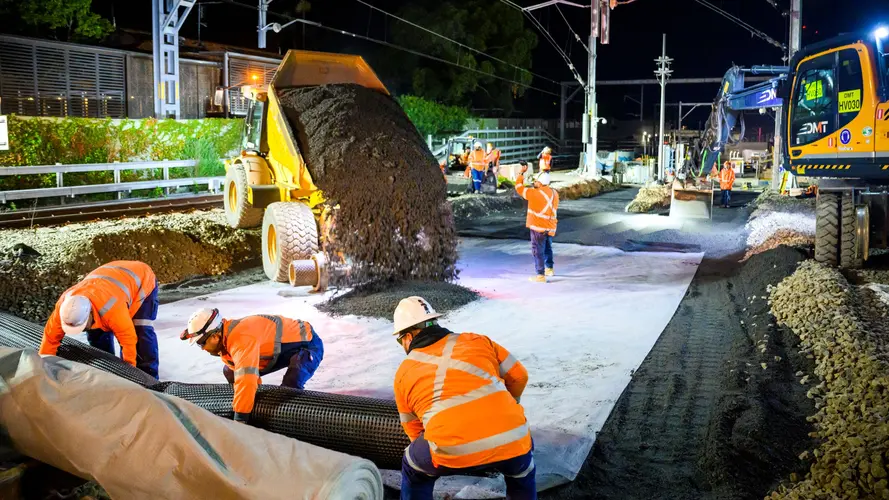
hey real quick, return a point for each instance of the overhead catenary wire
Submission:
(395, 46)
(463, 45)
(576, 36)
(756, 32)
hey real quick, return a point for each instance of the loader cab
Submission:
(834, 101)
(254, 137)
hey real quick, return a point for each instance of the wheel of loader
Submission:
(238, 211)
(827, 229)
(854, 241)
(289, 233)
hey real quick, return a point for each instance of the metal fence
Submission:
(212, 183)
(514, 144)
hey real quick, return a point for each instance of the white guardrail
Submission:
(212, 183)
(514, 144)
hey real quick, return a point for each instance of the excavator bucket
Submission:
(302, 68)
(690, 203)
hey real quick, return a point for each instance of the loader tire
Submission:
(239, 213)
(851, 256)
(289, 232)
(827, 229)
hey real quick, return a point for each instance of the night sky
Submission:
(703, 43)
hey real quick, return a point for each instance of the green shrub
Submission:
(433, 118)
(505, 183)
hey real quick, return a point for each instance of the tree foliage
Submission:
(68, 20)
(485, 25)
(433, 118)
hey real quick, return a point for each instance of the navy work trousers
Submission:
(542, 250)
(726, 197)
(146, 340)
(478, 176)
(300, 358)
(418, 473)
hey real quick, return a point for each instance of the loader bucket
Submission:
(302, 68)
(691, 203)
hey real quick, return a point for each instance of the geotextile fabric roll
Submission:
(365, 427)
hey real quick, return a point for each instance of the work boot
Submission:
(538, 278)
(550, 272)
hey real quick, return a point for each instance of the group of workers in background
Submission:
(458, 394)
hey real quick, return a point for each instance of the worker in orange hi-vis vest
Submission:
(545, 158)
(726, 181)
(254, 346)
(478, 165)
(117, 300)
(542, 220)
(458, 398)
(492, 156)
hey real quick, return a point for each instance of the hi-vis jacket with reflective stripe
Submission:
(253, 343)
(543, 203)
(546, 162)
(478, 160)
(116, 292)
(463, 393)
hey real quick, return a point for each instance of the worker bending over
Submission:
(118, 299)
(458, 399)
(543, 204)
(726, 181)
(254, 346)
(479, 166)
(545, 158)
(492, 156)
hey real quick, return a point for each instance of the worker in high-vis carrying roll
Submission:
(545, 159)
(542, 220)
(478, 166)
(458, 399)
(117, 300)
(254, 346)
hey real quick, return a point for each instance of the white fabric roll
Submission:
(138, 444)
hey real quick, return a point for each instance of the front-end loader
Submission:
(268, 184)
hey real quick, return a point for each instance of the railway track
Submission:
(63, 214)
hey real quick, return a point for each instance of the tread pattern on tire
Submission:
(827, 229)
(297, 234)
(243, 216)
(850, 256)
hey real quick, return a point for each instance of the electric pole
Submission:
(591, 156)
(261, 28)
(663, 72)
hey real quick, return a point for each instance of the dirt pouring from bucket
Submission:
(38, 265)
(393, 221)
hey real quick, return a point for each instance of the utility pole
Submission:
(663, 72)
(261, 28)
(592, 140)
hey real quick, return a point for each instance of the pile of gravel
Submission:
(176, 246)
(472, 206)
(771, 201)
(844, 329)
(364, 153)
(380, 300)
(651, 197)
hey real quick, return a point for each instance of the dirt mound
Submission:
(380, 301)
(365, 154)
(470, 206)
(176, 246)
(650, 198)
(781, 237)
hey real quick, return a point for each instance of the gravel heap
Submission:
(780, 237)
(763, 225)
(845, 330)
(380, 301)
(586, 189)
(470, 206)
(774, 202)
(651, 197)
(364, 153)
(176, 246)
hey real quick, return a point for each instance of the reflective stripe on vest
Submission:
(407, 417)
(483, 444)
(279, 334)
(247, 370)
(445, 363)
(547, 209)
(107, 306)
(132, 275)
(507, 365)
(117, 283)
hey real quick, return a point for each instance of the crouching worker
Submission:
(458, 399)
(117, 300)
(254, 346)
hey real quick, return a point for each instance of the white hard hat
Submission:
(411, 312)
(201, 322)
(543, 178)
(477, 145)
(75, 314)
(547, 149)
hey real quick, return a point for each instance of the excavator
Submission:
(834, 101)
(269, 185)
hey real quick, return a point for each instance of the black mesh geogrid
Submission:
(364, 427)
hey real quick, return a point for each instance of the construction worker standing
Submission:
(543, 203)
(479, 166)
(458, 399)
(118, 299)
(545, 158)
(492, 156)
(726, 181)
(254, 346)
